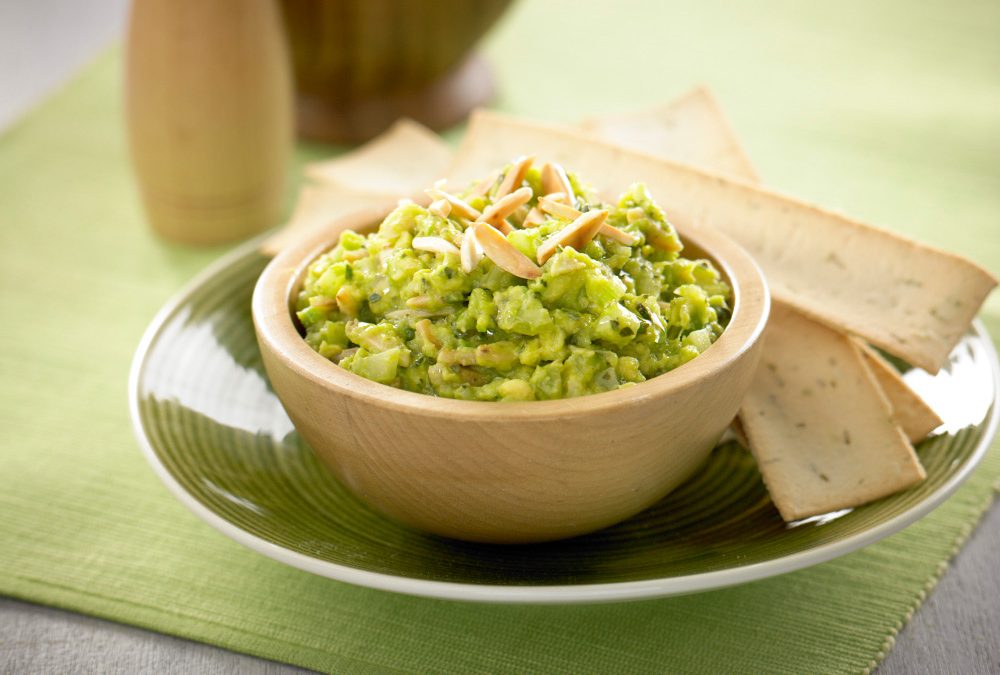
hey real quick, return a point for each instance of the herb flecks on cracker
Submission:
(836, 449)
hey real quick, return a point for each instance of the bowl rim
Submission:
(277, 334)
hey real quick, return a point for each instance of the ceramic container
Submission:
(511, 472)
(361, 64)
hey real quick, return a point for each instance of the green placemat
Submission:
(889, 111)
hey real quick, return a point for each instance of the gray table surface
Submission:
(41, 44)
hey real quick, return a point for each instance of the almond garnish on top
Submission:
(471, 252)
(440, 207)
(560, 210)
(459, 208)
(577, 234)
(554, 179)
(434, 245)
(503, 253)
(483, 187)
(426, 332)
(553, 205)
(534, 218)
(496, 214)
(515, 175)
(621, 236)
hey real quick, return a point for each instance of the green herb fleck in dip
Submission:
(522, 287)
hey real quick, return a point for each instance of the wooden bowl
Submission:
(361, 64)
(510, 472)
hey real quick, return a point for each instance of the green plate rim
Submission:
(538, 594)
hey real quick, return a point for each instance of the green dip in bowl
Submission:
(522, 287)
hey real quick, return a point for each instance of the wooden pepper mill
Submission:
(208, 104)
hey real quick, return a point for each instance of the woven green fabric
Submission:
(889, 112)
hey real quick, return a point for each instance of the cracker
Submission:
(691, 129)
(734, 432)
(912, 414)
(911, 300)
(819, 427)
(320, 205)
(406, 158)
(678, 131)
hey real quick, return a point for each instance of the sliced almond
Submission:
(515, 175)
(503, 253)
(434, 245)
(459, 207)
(418, 313)
(425, 302)
(557, 208)
(496, 214)
(534, 218)
(483, 186)
(554, 179)
(504, 226)
(462, 356)
(618, 235)
(520, 213)
(347, 302)
(561, 210)
(440, 207)
(635, 213)
(471, 252)
(577, 234)
(558, 197)
(426, 332)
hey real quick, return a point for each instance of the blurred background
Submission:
(836, 102)
(43, 44)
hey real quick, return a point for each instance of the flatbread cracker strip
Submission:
(849, 275)
(695, 122)
(819, 427)
(320, 205)
(694, 119)
(916, 418)
(734, 432)
(401, 161)
(690, 129)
